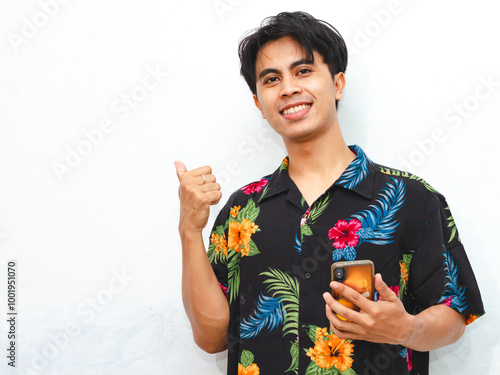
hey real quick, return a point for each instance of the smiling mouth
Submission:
(296, 109)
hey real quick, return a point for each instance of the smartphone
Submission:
(356, 274)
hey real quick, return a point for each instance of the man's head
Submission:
(310, 33)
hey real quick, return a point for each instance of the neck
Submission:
(324, 157)
(315, 164)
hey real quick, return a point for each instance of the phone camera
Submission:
(339, 274)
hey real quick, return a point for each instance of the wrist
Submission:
(411, 329)
(187, 230)
(189, 227)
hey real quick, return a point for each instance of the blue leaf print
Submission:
(349, 253)
(299, 245)
(356, 171)
(404, 352)
(453, 293)
(378, 221)
(268, 314)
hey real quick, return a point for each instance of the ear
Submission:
(339, 83)
(257, 104)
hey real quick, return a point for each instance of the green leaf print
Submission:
(453, 227)
(316, 210)
(233, 278)
(250, 212)
(286, 288)
(246, 358)
(312, 333)
(294, 353)
(404, 265)
(253, 249)
(349, 371)
(284, 164)
(319, 207)
(312, 369)
(305, 230)
(395, 172)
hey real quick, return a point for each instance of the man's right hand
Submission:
(196, 195)
(205, 304)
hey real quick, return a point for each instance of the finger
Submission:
(343, 312)
(214, 196)
(350, 294)
(382, 288)
(195, 176)
(205, 170)
(341, 328)
(209, 179)
(211, 186)
(180, 168)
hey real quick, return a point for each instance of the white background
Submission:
(96, 246)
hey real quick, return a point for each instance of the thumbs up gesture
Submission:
(197, 192)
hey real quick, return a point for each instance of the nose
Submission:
(289, 87)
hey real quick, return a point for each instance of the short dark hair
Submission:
(311, 33)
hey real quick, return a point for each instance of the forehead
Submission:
(279, 53)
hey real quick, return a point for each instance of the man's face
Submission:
(296, 96)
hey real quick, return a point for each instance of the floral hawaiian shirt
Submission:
(272, 255)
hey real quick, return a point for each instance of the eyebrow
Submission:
(264, 72)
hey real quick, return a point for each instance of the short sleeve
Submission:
(440, 272)
(217, 248)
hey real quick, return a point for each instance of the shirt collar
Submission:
(358, 176)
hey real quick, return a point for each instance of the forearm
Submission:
(434, 327)
(205, 304)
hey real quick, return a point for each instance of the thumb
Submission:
(382, 288)
(180, 168)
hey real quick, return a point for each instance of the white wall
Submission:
(96, 244)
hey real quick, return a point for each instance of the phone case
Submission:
(358, 276)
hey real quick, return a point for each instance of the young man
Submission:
(263, 291)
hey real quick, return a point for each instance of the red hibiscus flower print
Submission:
(395, 289)
(344, 233)
(408, 359)
(256, 187)
(447, 301)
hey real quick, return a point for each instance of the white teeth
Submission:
(296, 109)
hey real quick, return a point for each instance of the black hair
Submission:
(312, 34)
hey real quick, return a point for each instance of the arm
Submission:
(205, 304)
(386, 321)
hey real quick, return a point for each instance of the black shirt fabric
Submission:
(272, 255)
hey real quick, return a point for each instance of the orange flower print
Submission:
(240, 235)
(253, 369)
(223, 245)
(284, 164)
(214, 239)
(220, 243)
(469, 318)
(320, 332)
(332, 351)
(404, 271)
(235, 210)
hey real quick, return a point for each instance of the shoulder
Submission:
(417, 189)
(254, 190)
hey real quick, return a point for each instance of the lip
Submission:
(290, 105)
(297, 115)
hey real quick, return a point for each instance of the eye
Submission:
(304, 71)
(270, 80)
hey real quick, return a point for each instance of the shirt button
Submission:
(307, 275)
(309, 222)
